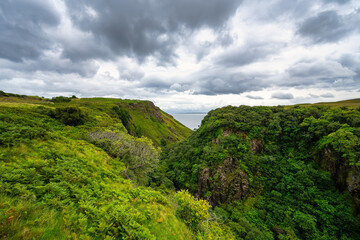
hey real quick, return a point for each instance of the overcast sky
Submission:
(184, 55)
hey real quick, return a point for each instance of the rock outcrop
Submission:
(257, 145)
(345, 176)
(224, 183)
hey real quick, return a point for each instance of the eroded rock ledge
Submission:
(224, 183)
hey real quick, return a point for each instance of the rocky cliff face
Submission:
(224, 183)
(149, 109)
(345, 176)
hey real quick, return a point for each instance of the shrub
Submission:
(163, 142)
(190, 209)
(72, 116)
(123, 115)
(138, 154)
(61, 99)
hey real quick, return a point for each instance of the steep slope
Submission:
(140, 118)
(260, 168)
(59, 179)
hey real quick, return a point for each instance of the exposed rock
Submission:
(223, 184)
(278, 230)
(203, 181)
(257, 145)
(345, 176)
(215, 140)
(227, 132)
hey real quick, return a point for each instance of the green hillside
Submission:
(143, 117)
(343, 103)
(102, 168)
(70, 170)
(275, 172)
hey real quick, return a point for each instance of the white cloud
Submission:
(250, 53)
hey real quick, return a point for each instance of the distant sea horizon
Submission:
(190, 120)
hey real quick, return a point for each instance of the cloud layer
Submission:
(210, 53)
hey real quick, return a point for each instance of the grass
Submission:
(22, 219)
(353, 103)
(54, 184)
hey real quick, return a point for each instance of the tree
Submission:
(344, 142)
(191, 210)
(138, 154)
(72, 116)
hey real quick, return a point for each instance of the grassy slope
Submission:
(155, 123)
(56, 185)
(344, 103)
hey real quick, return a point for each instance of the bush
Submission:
(61, 99)
(123, 115)
(163, 142)
(138, 154)
(191, 210)
(72, 116)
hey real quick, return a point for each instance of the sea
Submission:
(190, 120)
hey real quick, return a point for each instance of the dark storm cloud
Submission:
(247, 54)
(254, 97)
(156, 84)
(198, 13)
(352, 62)
(225, 39)
(280, 10)
(21, 28)
(143, 28)
(329, 26)
(349, 61)
(86, 68)
(315, 72)
(229, 83)
(281, 95)
(336, 1)
(59, 45)
(325, 95)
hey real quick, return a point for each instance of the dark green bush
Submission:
(123, 115)
(163, 142)
(72, 116)
(44, 110)
(61, 99)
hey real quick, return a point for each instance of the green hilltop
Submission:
(344, 103)
(140, 118)
(284, 172)
(101, 168)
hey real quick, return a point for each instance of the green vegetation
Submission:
(275, 172)
(122, 169)
(193, 211)
(64, 168)
(345, 103)
(71, 116)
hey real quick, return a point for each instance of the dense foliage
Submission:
(90, 169)
(138, 154)
(61, 177)
(263, 167)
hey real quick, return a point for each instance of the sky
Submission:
(184, 55)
